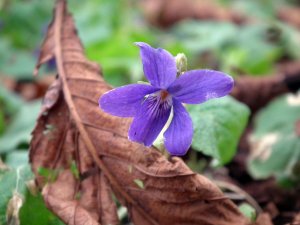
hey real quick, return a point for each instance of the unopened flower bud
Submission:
(181, 63)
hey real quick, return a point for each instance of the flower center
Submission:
(164, 94)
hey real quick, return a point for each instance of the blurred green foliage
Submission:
(250, 49)
(276, 142)
(12, 183)
(108, 30)
(20, 128)
(22, 26)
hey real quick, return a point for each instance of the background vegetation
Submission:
(270, 145)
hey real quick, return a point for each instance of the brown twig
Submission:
(236, 189)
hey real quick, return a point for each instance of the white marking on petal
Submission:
(211, 95)
(159, 142)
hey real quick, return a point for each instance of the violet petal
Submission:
(159, 65)
(197, 86)
(125, 101)
(149, 120)
(179, 135)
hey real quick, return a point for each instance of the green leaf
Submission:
(75, 170)
(34, 212)
(248, 211)
(20, 128)
(218, 125)
(275, 143)
(50, 175)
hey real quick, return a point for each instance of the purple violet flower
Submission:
(151, 105)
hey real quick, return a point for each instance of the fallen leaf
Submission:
(97, 143)
(263, 219)
(296, 219)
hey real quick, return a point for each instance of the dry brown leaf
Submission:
(72, 130)
(263, 219)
